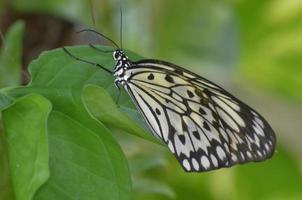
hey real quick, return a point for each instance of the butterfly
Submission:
(202, 124)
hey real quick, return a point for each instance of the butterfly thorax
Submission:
(122, 63)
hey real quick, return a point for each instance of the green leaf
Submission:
(5, 182)
(84, 157)
(56, 73)
(84, 165)
(26, 135)
(10, 56)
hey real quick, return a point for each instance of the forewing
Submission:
(204, 126)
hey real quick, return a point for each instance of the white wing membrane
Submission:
(204, 126)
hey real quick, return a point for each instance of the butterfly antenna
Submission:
(100, 34)
(86, 61)
(121, 28)
(101, 50)
(92, 13)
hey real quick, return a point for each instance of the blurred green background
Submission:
(252, 48)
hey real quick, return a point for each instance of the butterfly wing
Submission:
(204, 126)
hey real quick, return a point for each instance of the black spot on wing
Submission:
(190, 94)
(169, 78)
(215, 124)
(172, 132)
(196, 135)
(151, 76)
(182, 138)
(206, 126)
(201, 111)
(184, 125)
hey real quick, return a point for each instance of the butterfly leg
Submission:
(119, 92)
(85, 61)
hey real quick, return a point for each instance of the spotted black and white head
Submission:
(118, 54)
(121, 62)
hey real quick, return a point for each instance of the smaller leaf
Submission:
(148, 186)
(100, 104)
(10, 56)
(141, 163)
(4, 101)
(26, 134)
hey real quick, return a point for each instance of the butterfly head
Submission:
(119, 55)
(121, 59)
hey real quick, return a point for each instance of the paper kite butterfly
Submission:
(203, 125)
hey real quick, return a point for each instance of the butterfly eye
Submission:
(116, 55)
